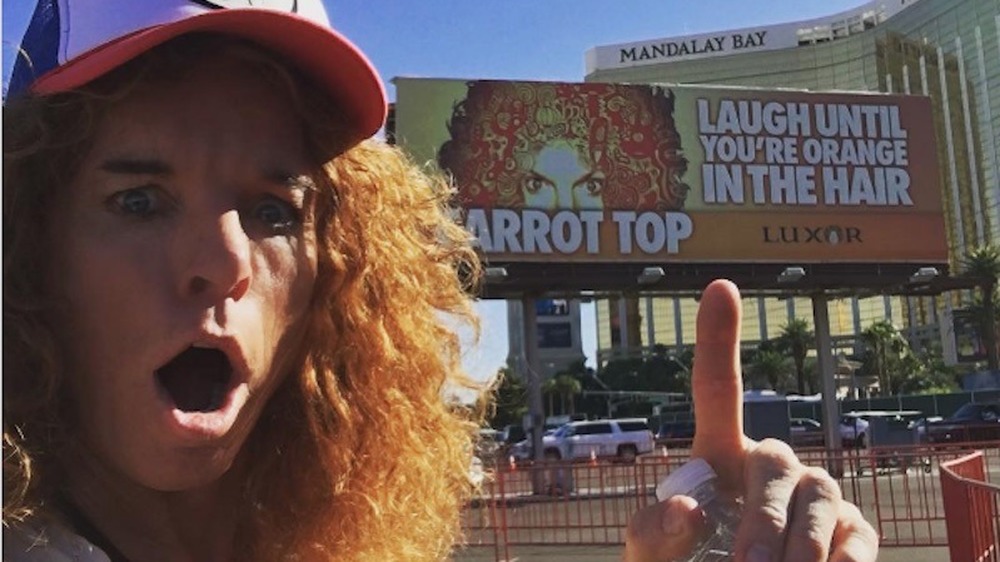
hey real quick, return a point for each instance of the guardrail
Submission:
(589, 502)
(970, 505)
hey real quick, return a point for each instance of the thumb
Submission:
(664, 531)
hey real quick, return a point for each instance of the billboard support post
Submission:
(831, 413)
(623, 325)
(532, 378)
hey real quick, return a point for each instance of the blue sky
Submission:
(516, 39)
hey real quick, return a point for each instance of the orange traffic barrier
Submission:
(970, 507)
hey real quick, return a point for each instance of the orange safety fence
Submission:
(589, 502)
(970, 505)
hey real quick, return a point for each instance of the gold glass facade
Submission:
(671, 321)
(946, 49)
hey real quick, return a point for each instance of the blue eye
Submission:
(534, 184)
(594, 185)
(276, 214)
(140, 201)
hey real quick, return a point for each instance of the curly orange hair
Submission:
(625, 130)
(360, 454)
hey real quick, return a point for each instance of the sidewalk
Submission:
(613, 554)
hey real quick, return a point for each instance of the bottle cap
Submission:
(685, 479)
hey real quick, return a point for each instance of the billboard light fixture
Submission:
(924, 275)
(791, 274)
(495, 274)
(651, 275)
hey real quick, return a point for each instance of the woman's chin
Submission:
(188, 471)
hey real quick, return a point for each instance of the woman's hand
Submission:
(790, 511)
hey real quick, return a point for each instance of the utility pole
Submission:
(533, 380)
(831, 412)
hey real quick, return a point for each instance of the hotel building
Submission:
(945, 49)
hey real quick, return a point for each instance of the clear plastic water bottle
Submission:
(696, 479)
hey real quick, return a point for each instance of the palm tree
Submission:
(983, 264)
(549, 389)
(889, 355)
(511, 398)
(797, 339)
(769, 367)
(568, 387)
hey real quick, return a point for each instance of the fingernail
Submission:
(673, 522)
(759, 553)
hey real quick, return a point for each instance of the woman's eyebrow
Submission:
(151, 167)
(137, 166)
(586, 177)
(541, 176)
(297, 182)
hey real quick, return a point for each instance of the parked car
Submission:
(513, 433)
(805, 432)
(972, 422)
(623, 439)
(896, 427)
(919, 427)
(675, 433)
(854, 429)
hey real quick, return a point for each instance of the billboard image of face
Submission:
(588, 172)
(550, 146)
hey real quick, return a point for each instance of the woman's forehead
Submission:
(220, 114)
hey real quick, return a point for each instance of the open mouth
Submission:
(197, 379)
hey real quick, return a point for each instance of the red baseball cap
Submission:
(68, 43)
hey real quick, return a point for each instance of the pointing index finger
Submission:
(717, 383)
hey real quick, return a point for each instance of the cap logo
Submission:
(282, 5)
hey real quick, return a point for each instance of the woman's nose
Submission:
(218, 265)
(564, 197)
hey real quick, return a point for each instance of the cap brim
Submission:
(332, 61)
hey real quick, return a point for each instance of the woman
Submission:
(226, 317)
(220, 344)
(554, 146)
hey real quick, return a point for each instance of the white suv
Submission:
(624, 439)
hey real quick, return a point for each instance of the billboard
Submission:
(591, 172)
